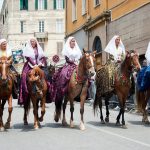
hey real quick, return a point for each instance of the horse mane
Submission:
(39, 72)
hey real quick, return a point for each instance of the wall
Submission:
(133, 29)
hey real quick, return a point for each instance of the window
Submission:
(40, 4)
(22, 26)
(59, 25)
(23, 4)
(83, 7)
(74, 10)
(96, 2)
(41, 26)
(59, 4)
(59, 48)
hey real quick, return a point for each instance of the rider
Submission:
(34, 55)
(72, 54)
(116, 48)
(5, 51)
(143, 76)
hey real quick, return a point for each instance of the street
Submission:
(54, 136)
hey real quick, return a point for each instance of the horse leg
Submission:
(64, 122)
(1, 115)
(145, 114)
(7, 124)
(26, 109)
(71, 110)
(107, 110)
(35, 112)
(118, 118)
(101, 112)
(42, 109)
(82, 126)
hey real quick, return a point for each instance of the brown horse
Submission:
(37, 88)
(78, 86)
(6, 84)
(121, 87)
(142, 98)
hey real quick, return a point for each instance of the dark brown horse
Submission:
(142, 100)
(37, 88)
(78, 86)
(6, 84)
(121, 87)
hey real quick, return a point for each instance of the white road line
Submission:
(120, 136)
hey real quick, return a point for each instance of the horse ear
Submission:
(83, 50)
(94, 53)
(127, 53)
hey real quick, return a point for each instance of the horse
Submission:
(142, 98)
(37, 88)
(77, 86)
(6, 85)
(121, 85)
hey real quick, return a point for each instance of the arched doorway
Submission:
(97, 44)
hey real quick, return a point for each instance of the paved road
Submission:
(53, 136)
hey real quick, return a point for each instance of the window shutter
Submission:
(63, 4)
(21, 4)
(45, 4)
(36, 4)
(26, 4)
(54, 4)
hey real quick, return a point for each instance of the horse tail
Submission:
(27, 106)
(95, 104)
(140, 98)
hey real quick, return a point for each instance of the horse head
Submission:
(35, 79)
(88, 62)
(132, 59)
(4, 68)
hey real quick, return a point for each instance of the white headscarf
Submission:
(28, 51)
(73, 54)
(8, 50)
(111, 47)
(147, 54)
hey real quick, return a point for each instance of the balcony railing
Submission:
(41, 35)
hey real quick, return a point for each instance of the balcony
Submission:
(41, 35)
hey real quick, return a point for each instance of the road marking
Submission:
(120, 136)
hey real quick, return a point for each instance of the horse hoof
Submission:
(82, 127)
(118, 123)
(107, 119)
(64, 123)
(7, 125)
(2, 129)
(147, 122)
(25, 123)
(102, 122)
(40, 119)
(71, 124)
(36, 127)
(56, 117)
(124, 126)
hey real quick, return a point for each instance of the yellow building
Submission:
(94, 22)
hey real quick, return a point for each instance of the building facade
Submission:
(43, 19)
(94, 22)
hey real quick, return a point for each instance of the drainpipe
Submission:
(106, 24)
(65, 19)
(87, 9)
